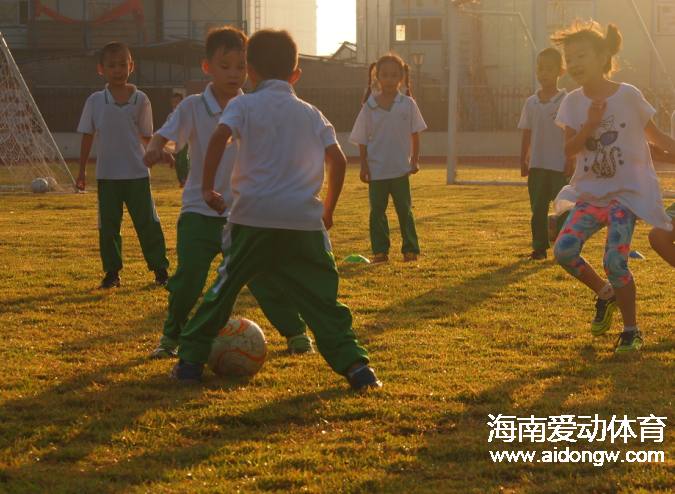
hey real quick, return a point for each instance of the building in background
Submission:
(296, 16)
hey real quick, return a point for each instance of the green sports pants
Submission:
(544, 186)
(301, 262)
(379, 192)
(136, 194)
(199, 241)
(182, 164)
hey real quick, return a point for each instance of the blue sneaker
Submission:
(363, 378)
(187, 372)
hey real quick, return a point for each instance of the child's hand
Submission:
(596, 111)
(365, 174)
(570, 167)
(658, 154)
(215, 201)
(82, 180)
(152, 156)
(525, 167)
(327, 219)
(415, 166)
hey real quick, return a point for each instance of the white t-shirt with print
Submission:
(120, 151)
(386, 133)
(548, 139)
(280, 168)
(193, 121)
(615, 164)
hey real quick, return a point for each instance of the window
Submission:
(419, 29)
(665, 19)
(13, 12)
(410, 29)
(431, 29)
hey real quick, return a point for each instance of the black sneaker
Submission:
(364, 379)
(538, 255)
(161, 277)
(629, 341)
(111, 280)
(187, 372)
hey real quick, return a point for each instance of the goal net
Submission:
(495, 58)
(27, 148)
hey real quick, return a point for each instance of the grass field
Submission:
(472, 329)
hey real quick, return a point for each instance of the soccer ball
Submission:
(51, 181)
(39, 186)
(239, 350)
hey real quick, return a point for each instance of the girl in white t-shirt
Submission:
(387, 133)
(606, 128)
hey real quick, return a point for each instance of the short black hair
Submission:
(113, 47)
(273, 54)
(553, 54)
(226, 39)
(177, 94)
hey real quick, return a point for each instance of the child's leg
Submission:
(558, 181)
(584, 221)
(141, 207)
(277, 306)
(662, 241)
(110, 211)
(400, 195)
(620, 228)
(199, 242)
(306, 270)
(378, 193)
(539, 187)
(182, 164)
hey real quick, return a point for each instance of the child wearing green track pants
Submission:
(200, 227)
(181, 159)
(387, 133)
(122, 117)
(277, 223)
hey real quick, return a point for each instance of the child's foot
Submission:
(300, 344)
(380, 258)
(182, 184)
(409, 257)
(187, 372)
(363, 378)
(167, 348)
(539, 255)
(111, 280)
(629, 341)
(604, 310)
(161, 277)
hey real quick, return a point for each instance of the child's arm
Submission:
(661, 140)
(415, 159)
(659, 154)
(575, 141)
(85, 151)
(214, 153)
(524, 152)
(336, 177)
(570, 168)
(155, 151)
(365, 171)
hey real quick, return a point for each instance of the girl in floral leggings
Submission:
(607, 128)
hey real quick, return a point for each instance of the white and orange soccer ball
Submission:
(239, 350)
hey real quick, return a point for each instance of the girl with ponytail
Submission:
(607, 127)
(387, 133)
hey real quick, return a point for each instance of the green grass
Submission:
(472, 329)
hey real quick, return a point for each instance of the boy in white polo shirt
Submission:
(547, 169)
(181, 158)
(277, 222)
(200, 227)
(122, 117)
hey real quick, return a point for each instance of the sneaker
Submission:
(300, 344)
(167, 348)
(538, 255)
(380, 258)
(604, 309)
(628, 341)
(111, 280)
(409, 257)
(187, 372)
(364, 379)
(161, 277)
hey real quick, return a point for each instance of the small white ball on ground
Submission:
(39, 186)
(239, 350)
(51, 181)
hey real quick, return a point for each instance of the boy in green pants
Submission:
(200, 227)
(181, 159)
(277, 223)
(547, 168)
(122, 117)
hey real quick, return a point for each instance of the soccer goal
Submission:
(27, 148)
(491, 54)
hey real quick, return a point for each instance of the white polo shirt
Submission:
(548, 138)
(120, 151)
(193, 122)
(280, 168)
(386, 132)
